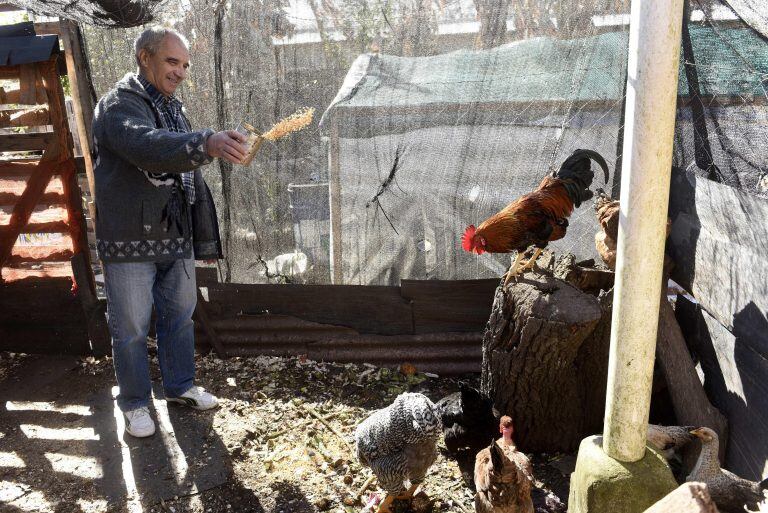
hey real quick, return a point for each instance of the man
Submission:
(154, 217)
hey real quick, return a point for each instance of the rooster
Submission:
(399, 444)
(538, 217)
(503, 476)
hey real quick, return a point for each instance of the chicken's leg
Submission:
(514, 270)
(386, 505)
(408, 494)
(532, 262)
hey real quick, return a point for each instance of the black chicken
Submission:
(469, 421)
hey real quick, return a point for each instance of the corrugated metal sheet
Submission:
(282, 335)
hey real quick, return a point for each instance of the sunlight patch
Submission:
(11, 459)
(94, 505)
(77, 409)
(44, 433)
(80, 466)
(22, 497)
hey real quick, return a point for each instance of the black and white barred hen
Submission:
(399, 444)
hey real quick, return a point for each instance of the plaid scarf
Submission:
(172, 118)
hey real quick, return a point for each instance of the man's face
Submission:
(168, 66)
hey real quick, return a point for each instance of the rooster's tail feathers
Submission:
(578, 170)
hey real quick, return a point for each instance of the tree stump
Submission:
(545, 359)
(688, 498)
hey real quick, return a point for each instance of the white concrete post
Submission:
(652, 71)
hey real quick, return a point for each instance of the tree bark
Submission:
(545, 356)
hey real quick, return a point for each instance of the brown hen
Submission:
(503, 476)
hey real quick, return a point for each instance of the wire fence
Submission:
(437, 114)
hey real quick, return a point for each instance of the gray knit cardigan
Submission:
(135, 220)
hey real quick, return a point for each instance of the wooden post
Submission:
(334, 183)
(82, 101)
(652, 71)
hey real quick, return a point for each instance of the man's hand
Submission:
(228, 145)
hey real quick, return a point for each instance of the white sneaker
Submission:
(196, 398)
(139, 423)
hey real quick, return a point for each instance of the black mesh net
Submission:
(105, 13)
(434, 116)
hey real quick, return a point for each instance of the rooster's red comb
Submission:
(467, 240)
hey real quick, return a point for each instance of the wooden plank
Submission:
(444, 306)
(27, 83)
(83, 101)
(24, 168)
(24, 208)
(18, 168)
(95, 310)
(16, 185)
(35, 116)
(61, 149)
(52, 226)
(367, 309)
(10, 72)
(9, 7)
(53, 253)
(47, 27)
(34, 272)
(47, 198)
(719, 242)
(46, 215)
(11, 190)
(689, 400)
(25, 142)
(734, 378)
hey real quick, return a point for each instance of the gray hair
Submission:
(151, 39)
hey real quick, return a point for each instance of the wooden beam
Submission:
(9, 7)
(94, 309)
(82, 100)
(45, 215)
(49, 197)
(27, 79)
(26, 142)
(35, 116)
(51, 253)
(47, 27)
(9, 72)
(57, 109)
(23, 168)
(23, 209)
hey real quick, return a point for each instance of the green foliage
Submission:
(66, 86)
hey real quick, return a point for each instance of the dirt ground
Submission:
(265, 449)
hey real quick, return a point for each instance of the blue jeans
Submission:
(132, 288)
